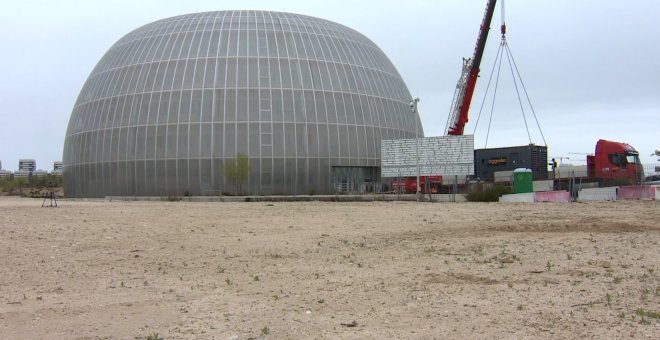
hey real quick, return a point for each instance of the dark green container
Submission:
(522, 181)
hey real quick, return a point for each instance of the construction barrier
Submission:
(543, 196)
(638, 192)
(598, 194)
(518, 198)
(552, 196)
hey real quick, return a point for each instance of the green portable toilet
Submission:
(522, 181)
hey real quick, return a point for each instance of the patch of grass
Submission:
(520, 307)
(617, 279)
(228, 281)
(609, 299)
(549, 266)
(648, 313)
(153, 336)
(492, 194)
(173, 198)
(265, 330)
(256, 278)
(644, 321)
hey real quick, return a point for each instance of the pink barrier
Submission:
(552, 196)
(636, 192)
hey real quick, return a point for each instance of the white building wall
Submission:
(441, 155)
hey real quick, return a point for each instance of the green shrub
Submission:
(488, 195)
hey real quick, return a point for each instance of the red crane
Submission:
(468, 80)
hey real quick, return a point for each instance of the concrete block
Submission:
(638, 192)
(552, 196)
(518, 198)
(598, 194)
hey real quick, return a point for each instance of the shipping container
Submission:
(489, 161)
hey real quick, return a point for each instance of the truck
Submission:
(613, 163)
(407, 185)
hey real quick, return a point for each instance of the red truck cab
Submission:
(614, 161)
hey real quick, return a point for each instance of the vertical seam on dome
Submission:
(139, 113)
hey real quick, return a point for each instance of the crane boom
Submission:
(468, 80)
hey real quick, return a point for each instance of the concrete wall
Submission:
(442, 155)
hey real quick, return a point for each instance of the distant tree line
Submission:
(29, 186)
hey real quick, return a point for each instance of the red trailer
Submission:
(427, 184)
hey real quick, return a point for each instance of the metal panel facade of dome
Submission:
(171, 103)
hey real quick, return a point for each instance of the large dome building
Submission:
(170, 105)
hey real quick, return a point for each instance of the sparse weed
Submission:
(265, 330)
(256, 278)
(228, 281)
(173, 198)
(549, 266)
(648, 313)
(608, 297)
(153, 336)
(617, 279)
(569, 257)
(520, 307)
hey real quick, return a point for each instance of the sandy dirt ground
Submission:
(395, 270)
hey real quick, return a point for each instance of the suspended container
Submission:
(522, 181)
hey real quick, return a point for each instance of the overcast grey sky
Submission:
(591, 67)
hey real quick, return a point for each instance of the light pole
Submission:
(413, 106)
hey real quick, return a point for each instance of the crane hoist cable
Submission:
(515, 74)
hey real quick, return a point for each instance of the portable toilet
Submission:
(522, 181)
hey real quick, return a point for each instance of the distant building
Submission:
(0, 165)
(21, 174)
(39, 173)
(28, 165)
(57, 168)
(5, 175)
